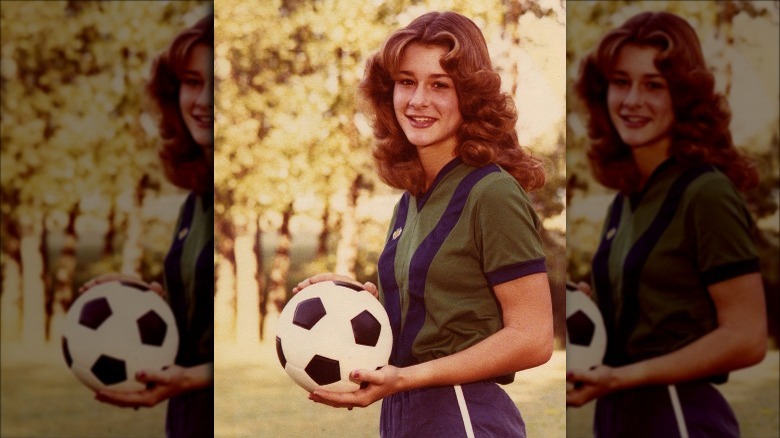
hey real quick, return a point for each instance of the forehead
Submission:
(636, 58)
(200, 58)
(418, 57)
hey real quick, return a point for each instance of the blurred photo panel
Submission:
(672, 218)
(107, 219)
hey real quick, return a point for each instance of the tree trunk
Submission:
(225, 300)
(280, 269)
(258, 250)
(132, 251)
(108, 240)
(33, 284)
(63, 277)
(346, 252)
(247, 291)
(324, 236)
(11, 297)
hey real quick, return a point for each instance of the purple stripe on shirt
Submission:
(515, 271)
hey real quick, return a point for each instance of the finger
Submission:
(147, 376)
(367, 376)
(334, 399)
(371, 288)
(585, 288)
(158, 289)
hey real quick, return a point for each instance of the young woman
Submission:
(676, 275)
(462, 275)
(182, 87)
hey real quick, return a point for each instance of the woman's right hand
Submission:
(581, 287)
(317, 278)
(115, 276)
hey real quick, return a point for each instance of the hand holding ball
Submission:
(115, 329)
(330, 329)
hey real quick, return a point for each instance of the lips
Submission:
(420, 122)
(634, 122)
(204, 121)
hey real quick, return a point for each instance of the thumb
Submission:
(147, 376)
(367, 376)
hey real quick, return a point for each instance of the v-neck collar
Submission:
(422, 199)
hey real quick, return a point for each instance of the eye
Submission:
(618, 81)
(441, 85)
(405, 82)
(655, 85)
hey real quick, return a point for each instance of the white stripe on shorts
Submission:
(678, 414)
(464, 411)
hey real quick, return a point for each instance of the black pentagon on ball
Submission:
(66, 352)
(308, 313)
(280, 353)
(152, 328)
(95, 313)
(366, 329)
(109, 370)
(323, 371)
(580, 328)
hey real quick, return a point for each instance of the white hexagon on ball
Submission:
(114, 330)
(586, 336)
(328, 330)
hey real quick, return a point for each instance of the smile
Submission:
(420, 121)
(204, 120)
(635, 121)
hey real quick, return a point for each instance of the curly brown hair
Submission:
(184, 161)
(487, 134)
(700, 133)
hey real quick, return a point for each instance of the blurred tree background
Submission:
(740, 42)
(296, 192)
(82, 189)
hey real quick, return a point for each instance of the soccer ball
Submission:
(586, 336)
(114, 330)
(328, 330)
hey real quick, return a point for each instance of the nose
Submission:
(206, 96)
(419, 98)
(633, 96)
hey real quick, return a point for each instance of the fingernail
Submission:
(355, 375)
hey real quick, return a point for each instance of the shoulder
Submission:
(499, 187)
(711, 188)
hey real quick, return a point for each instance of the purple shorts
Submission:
(479, 409)
(692, 409)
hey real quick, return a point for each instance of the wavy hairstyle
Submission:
(184, 161)
(487, 134)
(700, 133)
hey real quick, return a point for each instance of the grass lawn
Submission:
(42, 398)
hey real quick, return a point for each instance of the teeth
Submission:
(422, 119)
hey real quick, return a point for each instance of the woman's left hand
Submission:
(381, 383)
(165, 384)
(584, 386)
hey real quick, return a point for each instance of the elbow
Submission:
(755, 350)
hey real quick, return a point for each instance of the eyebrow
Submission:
(647, 75)
(433, 76)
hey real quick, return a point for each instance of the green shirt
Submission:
(447, 249)
(660, 251)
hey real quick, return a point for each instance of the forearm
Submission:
(509, 350)
(198, 377)
(720, 351)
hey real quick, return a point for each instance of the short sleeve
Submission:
(723, 230)
(507, 231)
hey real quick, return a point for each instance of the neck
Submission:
(648, 159)
(433, 160)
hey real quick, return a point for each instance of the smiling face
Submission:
(425, 99)
(196, 96)
(638, 98)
